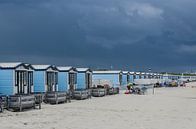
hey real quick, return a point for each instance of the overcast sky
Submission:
(124, 34)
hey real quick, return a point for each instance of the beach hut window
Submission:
(50, 80)
(25, 78)
(47, 80)
(30, 81)
(71, 78)
(31, 78)
(16, 78)
(19, 81)
(75, 76)
(56, 78)
(22, 77)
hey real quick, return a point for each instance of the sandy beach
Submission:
(168, 108)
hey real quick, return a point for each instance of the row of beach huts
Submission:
(24, 85)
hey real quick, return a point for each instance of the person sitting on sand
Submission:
(129, 87)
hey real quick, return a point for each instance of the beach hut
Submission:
(125, 78)
(158, 76)
(45, 78)
(114, 77)
(131, 77)
(171, 77)
(143, 75)
(84, 78)
(16, 78)
(147, 75)
(67, 78)
(137, 75)
(161, 76)
(155, 75)
(151, 75)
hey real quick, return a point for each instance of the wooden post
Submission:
(40, 101)
(8, 105)
(56, 97)
(153, 90)
(20, 99)
(34, 102)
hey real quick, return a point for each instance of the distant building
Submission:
(114, 76)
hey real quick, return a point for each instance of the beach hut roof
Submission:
(83, 69)
(132, 72)
(143, 73)
(137, 72)
(108, 72)
(66, 68)
(62, 68)
(41, 67)
(10, 65)
(29, 66)
(125, 72)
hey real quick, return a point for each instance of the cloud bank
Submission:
(127, 34)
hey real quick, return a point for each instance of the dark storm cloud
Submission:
(122, 33)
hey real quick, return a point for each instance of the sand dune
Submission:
(169, 108)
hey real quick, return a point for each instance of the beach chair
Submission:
(3, 102)
(110, 91)
(98, 92)
(140, 90)
(20, 102)
(55, 97)
(113, 91)
(116, 90)
(81, 94)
